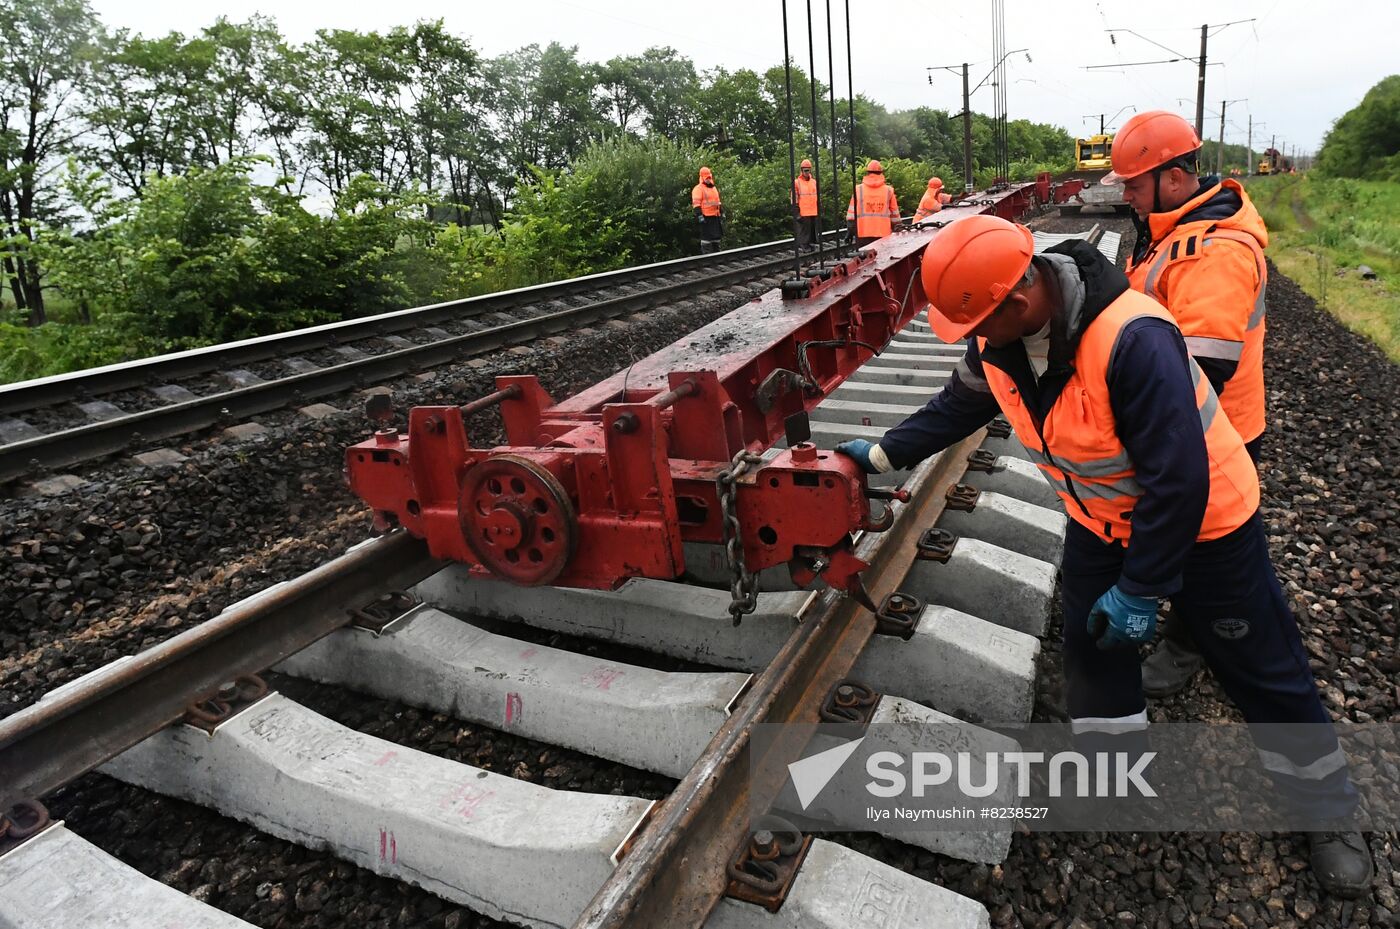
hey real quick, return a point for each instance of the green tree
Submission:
(443, 110)
(736, 114)
(44, 56)
(544, 106)
(354, 120)
(1365, 142)
(137, 124)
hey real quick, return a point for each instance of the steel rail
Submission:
(95, 440)
(79, 385)
(674, 875)
(77, 727)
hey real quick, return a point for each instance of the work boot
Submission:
(1341, 860)
(1170, 667)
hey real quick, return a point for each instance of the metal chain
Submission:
(743, 586)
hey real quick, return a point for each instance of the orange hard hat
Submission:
(874, 167)
(706, 172)
(1150, 140)
(935, 182)
(969, 268)
(806, 163)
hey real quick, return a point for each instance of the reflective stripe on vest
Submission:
(1078, 450)
(806, 193)
(872, 219)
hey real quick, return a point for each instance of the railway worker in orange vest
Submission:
(873, 208)
(709, 211)
(933, 199)
(1163, 498)
(1199, 253)
(804, 206)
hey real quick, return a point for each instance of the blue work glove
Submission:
(1117, 619)
(859, 450)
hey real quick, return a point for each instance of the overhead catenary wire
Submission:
(792, 153)
(835, 158)
(816, 147)
(850, 105)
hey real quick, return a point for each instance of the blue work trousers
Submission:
(1231, 603)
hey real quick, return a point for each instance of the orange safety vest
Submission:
(705, 199)
(1078, 450)
(874, 208)
(929, 204)
(1221, 315)
(805, 192)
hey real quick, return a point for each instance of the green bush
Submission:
(55, 348)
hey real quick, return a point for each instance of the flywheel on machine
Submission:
(517, 520)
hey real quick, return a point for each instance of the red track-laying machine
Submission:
(619, 480)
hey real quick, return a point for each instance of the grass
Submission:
(1322, 230)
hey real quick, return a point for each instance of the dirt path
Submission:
(1300, 212)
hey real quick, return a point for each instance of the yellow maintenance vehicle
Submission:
(1274, 162)
(1093, 153)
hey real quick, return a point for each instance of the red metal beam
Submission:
(611, 483)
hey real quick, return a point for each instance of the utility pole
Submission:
(1200, 61)
(967, 109)
(1220, 146)
(1201, 90)
(967, 134)
(1249, 149)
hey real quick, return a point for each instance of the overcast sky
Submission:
(1295, 68)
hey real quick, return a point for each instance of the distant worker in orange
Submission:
(804, 207)
(1200, 254)
(933, 199)
(709, 211)
(873, 209)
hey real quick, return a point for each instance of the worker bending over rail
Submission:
(932, 200)
(1163, 498)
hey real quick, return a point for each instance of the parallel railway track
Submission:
(481, 324)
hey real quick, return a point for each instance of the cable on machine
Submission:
(816, 148)
(792, 154)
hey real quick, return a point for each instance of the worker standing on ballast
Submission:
(1199, 253)
(932, 200)
(1163, 500)
(804, 207)
(873, 209)
(709, 211)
